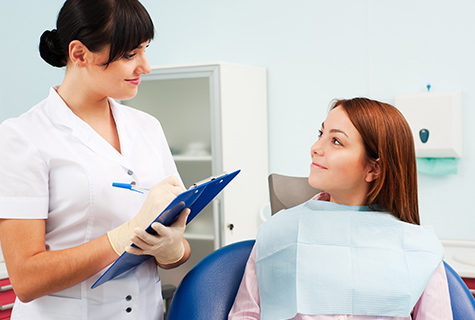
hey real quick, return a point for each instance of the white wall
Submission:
(314, 51)
(25, 77)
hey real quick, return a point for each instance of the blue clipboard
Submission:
(195, 199)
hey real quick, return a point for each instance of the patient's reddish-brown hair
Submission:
(387, 137)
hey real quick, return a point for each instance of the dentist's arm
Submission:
(35, 272)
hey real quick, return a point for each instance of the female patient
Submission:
(356, 250)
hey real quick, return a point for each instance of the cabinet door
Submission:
(244, 145)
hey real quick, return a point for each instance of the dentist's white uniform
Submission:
(54, 166)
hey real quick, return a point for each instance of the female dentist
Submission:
(61, 222)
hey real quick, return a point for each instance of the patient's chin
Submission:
(314, 182)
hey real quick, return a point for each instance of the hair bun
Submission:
(51, 50)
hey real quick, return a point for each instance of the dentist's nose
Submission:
(143, 66)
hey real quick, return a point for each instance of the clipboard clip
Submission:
(194, 185)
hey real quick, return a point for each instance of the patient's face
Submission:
(339, 164)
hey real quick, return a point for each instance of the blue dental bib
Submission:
(325, 258)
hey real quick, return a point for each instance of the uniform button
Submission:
(128, 298)
(129, 309)
(130, 172)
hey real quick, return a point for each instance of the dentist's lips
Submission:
(316, 165)
(135, 81)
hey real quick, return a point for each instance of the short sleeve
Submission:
(434, 302)
(23, 176)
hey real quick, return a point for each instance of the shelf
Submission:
(184, 158)
(199, 236)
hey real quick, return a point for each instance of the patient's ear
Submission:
(374, 170)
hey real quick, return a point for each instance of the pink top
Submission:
(433, 304)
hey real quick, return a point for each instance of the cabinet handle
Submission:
(230, 226)
(6, 307)
(6, 288)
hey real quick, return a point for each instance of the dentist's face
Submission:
(339, 164)
(121, 78)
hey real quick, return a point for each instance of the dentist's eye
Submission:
(129, 55)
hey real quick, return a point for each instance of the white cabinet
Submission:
(215, 119)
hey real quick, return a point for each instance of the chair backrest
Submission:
(463, 303)
(208, 290)
(287, 192)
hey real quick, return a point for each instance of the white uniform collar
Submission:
(62, 116)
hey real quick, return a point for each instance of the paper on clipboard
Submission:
(196, 198)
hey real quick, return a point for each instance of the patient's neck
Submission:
(349, 198)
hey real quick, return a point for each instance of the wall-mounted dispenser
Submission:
(436, 122)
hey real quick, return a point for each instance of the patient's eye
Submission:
(337, 142)
(320, 133)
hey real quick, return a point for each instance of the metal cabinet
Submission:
(214, 116)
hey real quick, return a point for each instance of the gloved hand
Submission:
(159, 197)
(167, 247)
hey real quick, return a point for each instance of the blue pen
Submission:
(129, 186)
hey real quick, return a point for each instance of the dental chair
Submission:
(287, 192)
(208, 290)
(463, 303)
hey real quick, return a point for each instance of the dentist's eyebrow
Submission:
(140, 46)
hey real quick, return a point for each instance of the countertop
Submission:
(460, 255)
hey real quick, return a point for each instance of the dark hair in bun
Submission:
(122, 24)
(50, 49)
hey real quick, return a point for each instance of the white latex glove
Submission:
(167, 247)
(157, 200)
